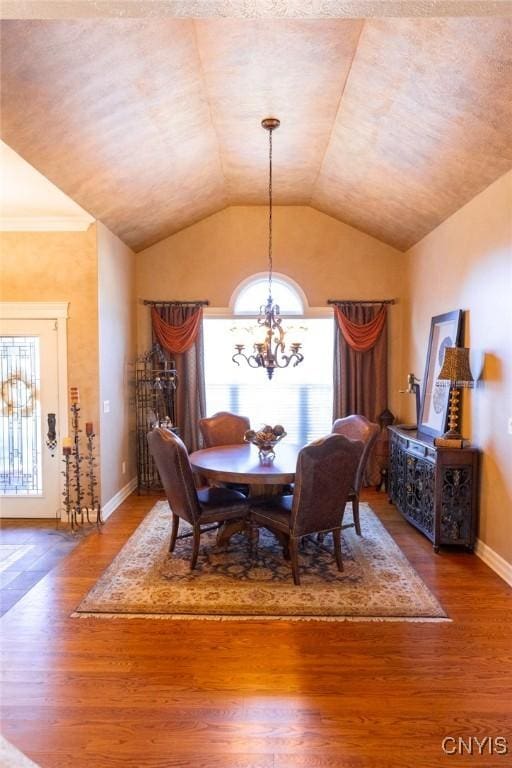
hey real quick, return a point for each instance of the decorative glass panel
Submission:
(20, 417)
(250, 298)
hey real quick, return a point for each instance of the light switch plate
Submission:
(106, 406)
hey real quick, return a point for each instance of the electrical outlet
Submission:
(106, 406)
(510, 425)
(123, 468)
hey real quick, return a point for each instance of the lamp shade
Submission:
(455, 369)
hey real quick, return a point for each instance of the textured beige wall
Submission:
(60, 266)
(466, 263)
(117, 351)
(325, 257)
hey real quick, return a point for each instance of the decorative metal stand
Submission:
(155, 392)
(77, 512)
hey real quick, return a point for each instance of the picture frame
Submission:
(445, 331)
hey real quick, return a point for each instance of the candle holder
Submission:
(77, 511)
(413, 388)
(77, 460)
(94, 502)
(68, 506)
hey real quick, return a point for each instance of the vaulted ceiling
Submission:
(389, 125)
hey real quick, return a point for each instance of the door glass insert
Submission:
(20, 416)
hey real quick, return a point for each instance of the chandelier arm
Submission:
(251, 360)
(256, 360)
(294, 355)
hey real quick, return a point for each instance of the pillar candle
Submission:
(88, 428)
(66, 446)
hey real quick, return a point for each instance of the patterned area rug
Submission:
(378, 581)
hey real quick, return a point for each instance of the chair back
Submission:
(325, 473)
(173, 464)
(357, 427)
(223, 428)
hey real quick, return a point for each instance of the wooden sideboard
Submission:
(435, 489)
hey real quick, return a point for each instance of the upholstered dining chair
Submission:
(197, 507)
(357, 427)
(223, 428)
(325, 473)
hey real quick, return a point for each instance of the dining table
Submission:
(242, 464)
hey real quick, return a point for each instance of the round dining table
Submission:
(241, 464)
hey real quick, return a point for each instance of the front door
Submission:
(29, 468)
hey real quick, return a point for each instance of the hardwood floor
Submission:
(161, 694)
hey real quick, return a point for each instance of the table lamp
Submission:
(455, 373)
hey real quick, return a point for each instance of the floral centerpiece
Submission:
(265, 439)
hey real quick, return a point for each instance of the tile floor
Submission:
(43, 547)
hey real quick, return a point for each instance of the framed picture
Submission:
(445, 331)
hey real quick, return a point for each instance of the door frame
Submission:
(48, 310)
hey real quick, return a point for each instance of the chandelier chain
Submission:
(270, 214)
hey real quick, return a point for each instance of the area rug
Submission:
(229, 582)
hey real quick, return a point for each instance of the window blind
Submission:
(298, 398)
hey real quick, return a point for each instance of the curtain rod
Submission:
(201, 302)
(362, 301)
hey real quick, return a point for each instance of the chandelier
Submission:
(270, 353)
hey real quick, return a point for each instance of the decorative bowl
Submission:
(265, 439)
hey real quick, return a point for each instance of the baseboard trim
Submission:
(491, 558)
(116, 500)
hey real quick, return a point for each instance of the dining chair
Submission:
(223, 428)
(357, 427)
(325, 473)
(197, 507)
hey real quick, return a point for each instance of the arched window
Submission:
(252, 293)
(298, 398)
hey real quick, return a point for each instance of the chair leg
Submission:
(284, 541)
(195, 546)
(174, 531)
(336, 537)
(355, 512)
(295, 560)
